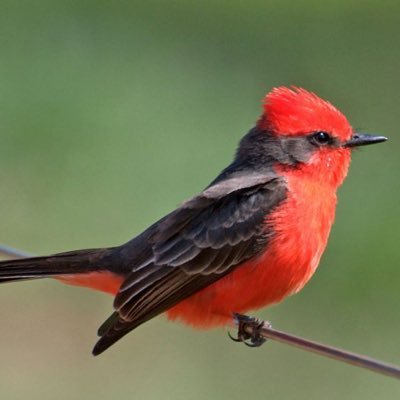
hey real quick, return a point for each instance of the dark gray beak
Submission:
(359, 139)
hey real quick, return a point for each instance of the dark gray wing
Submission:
(197, 244)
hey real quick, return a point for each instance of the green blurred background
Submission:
(112, 113)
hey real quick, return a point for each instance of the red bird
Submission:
(254, 236)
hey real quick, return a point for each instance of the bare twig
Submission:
(7, 251)
(263, 328)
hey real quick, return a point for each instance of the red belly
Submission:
(301, 225)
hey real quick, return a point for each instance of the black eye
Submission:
(321, 138)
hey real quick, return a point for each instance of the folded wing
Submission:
(194, 246)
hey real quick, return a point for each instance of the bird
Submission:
(252, 237)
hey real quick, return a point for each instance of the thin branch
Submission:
(7, 251)
(264, 329)
(255, 327)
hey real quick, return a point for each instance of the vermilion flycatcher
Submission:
(254, 236)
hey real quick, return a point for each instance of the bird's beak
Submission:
(359, 139)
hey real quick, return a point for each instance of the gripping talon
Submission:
(235, 339)
(254, 339)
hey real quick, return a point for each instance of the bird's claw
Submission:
(235, 339)
(253, 339)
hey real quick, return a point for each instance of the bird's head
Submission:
(299, 131)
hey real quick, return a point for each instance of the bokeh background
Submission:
(112, 113)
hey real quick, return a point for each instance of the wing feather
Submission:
(197, 244)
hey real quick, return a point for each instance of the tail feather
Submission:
(79, 261)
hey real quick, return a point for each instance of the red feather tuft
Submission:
(295, 111)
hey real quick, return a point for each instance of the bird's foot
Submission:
(249, 330)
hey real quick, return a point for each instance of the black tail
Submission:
(78, 261)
